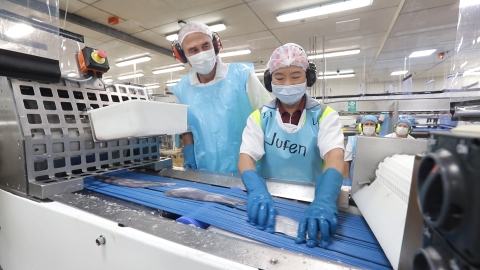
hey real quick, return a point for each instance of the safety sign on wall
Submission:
(352, 106)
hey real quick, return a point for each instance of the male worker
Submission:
(220, 98)
(368, 127)
(292, 137)
(402, 129)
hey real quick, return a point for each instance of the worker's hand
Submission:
(189, 157)
(260, 206)
(321, 215)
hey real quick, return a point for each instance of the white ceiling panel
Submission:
(327, 27)
(255, 41)
(425, 39)
(268, 10)
(73, 5)
(155, 13)
(425, 20)
(416, 5)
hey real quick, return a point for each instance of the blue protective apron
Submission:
(292, 156)
(353, 141)
(384, 126)
(217, 115)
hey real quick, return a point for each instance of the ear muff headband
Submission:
(377, 128)
(408, 132)
(179, 54)
(311, 74)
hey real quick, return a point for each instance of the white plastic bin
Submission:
(138, 118)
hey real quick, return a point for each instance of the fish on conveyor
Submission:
(200, 195)
(126, 182)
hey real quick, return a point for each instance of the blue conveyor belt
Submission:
(354, 243)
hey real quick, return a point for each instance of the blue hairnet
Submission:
(369, 118)
(405, 121)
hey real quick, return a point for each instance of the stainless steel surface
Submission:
(412, 236)
(12, 156)
(468, 113)
(373, 150)
(281, 188)
(245, 252)
(47, 144)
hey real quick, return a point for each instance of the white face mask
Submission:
(289, 94)
(203, 62)
(402, 131)
(368, 130)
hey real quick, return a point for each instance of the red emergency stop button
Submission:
(102, 53)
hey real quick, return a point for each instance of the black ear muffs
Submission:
(179, 54)
(408, 132)
(311, 74)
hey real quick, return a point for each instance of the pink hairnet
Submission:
(193, 27)
(287, 55)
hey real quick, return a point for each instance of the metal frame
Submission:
(143, 219)
(371, 151)
(50, 125)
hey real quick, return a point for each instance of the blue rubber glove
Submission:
(347, 182)
(321, 215)
(189, 157)
(260, 207)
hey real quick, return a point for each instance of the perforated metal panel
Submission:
(58, 138)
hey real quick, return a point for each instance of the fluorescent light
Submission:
(218, 27)
(234, 53)
(131, 76)
(171, 84)
(167, 70)
(19, 30)
(152, 86)
(463, 64)
(467, 3)
(401, 72)
(173, 81)
(71, 74)
(422, 53)
(133, 61)
(259, 74)
(108, 80)
(472, 71)
(334, 54)
(323, 9)
(215, 28)
(337, 76)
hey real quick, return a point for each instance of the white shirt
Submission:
(394, 135)
(330, 135)
(257, 94)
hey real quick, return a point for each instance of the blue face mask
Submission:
(289, 94)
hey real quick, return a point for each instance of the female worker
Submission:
(402, 129)
(291, 137)
(368, 127)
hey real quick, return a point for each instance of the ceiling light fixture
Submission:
(130, 76)
(167, 70)
(171, 84)
(422, 53)
(133, 61)
(337, 76)
(109, 80)
(173, 81)
(334, 54)
(19, 30)
(259, 74)
(234, 53)
(400, 72)
(215, 28)
(323, 9)
(467, 3)
(152, 86)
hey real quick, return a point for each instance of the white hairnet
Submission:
(287, 55)
(193, 27)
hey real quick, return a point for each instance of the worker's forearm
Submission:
(334, 159)
(346, 170)
(245, 162)
(187, 138)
